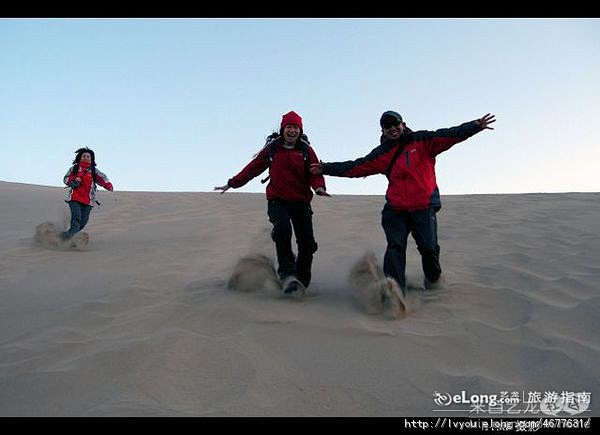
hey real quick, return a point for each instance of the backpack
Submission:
(302, 145)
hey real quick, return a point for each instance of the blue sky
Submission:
(183, 104)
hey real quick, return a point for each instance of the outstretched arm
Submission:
(443, 139)
(376, 162)
(256, 167)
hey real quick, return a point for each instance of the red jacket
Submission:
(412, 184)
(289, 179)
(86, 191)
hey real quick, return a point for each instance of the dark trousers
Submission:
(423, 226)
(80, 214)
(284, 215)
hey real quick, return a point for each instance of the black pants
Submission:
(423, 226)
(284, 215)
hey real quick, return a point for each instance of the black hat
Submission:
(390, 117)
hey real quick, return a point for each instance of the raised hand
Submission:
(485, 121)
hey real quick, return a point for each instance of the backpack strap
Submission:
(93, 169)
(270, 143)
(402, 142)
(399, 149)
(305, 154)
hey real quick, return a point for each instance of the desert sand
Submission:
(141, 323)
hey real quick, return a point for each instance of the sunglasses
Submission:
(390, 124)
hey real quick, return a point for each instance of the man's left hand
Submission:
(484, 122)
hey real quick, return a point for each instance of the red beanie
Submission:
(291, 118)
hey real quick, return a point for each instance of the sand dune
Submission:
(142, 322)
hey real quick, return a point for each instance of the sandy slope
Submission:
(141, 323)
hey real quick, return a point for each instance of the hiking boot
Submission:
(435, 285)
(291, 285)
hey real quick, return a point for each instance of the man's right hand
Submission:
(316, 168)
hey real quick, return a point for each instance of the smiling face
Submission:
(393, 131)
(291, 133)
